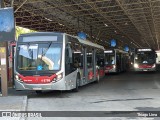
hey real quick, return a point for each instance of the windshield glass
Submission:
(109, 59)
(40, 56)
(145, 58)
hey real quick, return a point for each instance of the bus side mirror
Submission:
(156, 56)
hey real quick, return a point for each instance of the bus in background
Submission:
(100, 62)
(55, 61)
(158, 57)
(143, 59)
(158, 60)
(116, 61)
(11, 49)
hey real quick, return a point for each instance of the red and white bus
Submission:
(143, 59)
(55, 61)
(116, 61)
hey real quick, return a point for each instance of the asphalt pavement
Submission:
(115, 92)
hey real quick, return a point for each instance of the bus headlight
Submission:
(114, 66)
(58, 77)
(18, 78)
(154, 65)
(136, 65)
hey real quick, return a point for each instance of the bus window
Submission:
(89, 59)
(49, 57)
(77, 54)
(110, 59)
(68, 59)
(40, 56)
(100, 58)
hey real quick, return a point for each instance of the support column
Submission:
(4, 63)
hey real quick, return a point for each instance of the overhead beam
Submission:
(20, 6)
(114, 24)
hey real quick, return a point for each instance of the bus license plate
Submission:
(145, 70)
(37, 88)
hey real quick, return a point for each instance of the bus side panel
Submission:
(70, 80)
(82, 80)
(101, 72)
(90, 77)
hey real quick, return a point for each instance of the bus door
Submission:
(100, 63)
(90, 65)
(118, 62)
(122, 62)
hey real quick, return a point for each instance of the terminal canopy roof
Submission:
(132, 22)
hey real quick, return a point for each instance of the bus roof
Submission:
(122, 51)
(85, 42)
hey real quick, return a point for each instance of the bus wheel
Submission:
(77, 84)
(39, 91)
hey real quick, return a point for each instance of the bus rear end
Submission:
(38, 62)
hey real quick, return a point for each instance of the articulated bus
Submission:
(143, 59)
(56, 61)
(116, 61)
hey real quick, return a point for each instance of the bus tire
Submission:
(39, 91)
(77, 83)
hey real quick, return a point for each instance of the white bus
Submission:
(116, 61)
(158, 57)
(143, 59)
(55, 61)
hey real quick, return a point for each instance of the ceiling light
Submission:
(48, 19)
(60, 24)
(126, 23)
(106, 25)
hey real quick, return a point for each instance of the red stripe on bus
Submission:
(145, 66)
(109, 67)
(101, 72)
(37, 79)
(90, 75)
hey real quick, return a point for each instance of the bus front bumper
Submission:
(59, 85)
(144, 69)
(113, 70)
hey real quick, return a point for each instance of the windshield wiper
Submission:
(43, 54)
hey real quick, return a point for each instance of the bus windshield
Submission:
(39, 56)
(145, 58)
(109, 59)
